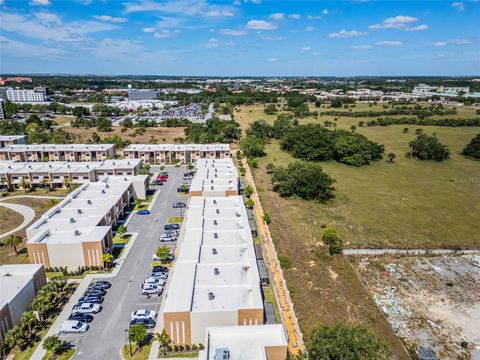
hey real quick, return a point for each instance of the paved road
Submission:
(107, 331)
(27, 213)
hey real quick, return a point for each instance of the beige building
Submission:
(176, 153)
(7, 140)
(215, 279)
(78, 231)
(58, 152)
(215, 177)
(19, 283)
(54, 173)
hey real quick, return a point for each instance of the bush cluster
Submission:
(473, 149)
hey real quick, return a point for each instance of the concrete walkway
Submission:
(39, 352)
(408, 252)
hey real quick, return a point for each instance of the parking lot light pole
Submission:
(129, 341)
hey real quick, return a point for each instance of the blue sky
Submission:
(240, 37)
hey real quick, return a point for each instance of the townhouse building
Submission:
(215, 177)
(7, 140)
(58, 152)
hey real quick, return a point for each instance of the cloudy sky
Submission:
(240, 37)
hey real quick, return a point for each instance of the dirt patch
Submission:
(431, 302)
(9, 219)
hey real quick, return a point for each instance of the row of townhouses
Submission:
(58, 152)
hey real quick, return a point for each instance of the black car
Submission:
(172, 227)
(179, 205)
(95, 292)
(100, 284)
(148, 323)
(159, 268)
(91, 299)
(81, 317)
(189, 173)
(183, 190)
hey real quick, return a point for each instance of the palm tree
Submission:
(138, 334)
(14, 337)
(51, 344)
(41, 305)
(28, 320)
(24, 183)
(44, 182)
(164, 341)
(67, 182)
(13, 241)
(107, 259)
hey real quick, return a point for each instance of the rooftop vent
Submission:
(215, 235)
(107, 186)
(214, 251)
(211, 296)
(89, 202)
(212, 188)
(79, 211)
(103, 191)
(214, 201)
(218, 211)
(222, 354)
(72, 220)
(216, 271)
(77, 233)
(215, 222)
(215, 176)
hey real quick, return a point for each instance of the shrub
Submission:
(285, 262)
(252, 146)
(473, 149)
(426, 147)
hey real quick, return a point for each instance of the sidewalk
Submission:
(39, 352)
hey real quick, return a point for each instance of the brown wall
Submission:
(174, 318)
(195, 193)
(38, 254)
(276, 352)
(231, 192)
(90, 250)
(248, 316)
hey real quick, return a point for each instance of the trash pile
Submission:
(397, 311)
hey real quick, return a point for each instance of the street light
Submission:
(129, 342)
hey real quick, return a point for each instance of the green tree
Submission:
(138, 334)
(28, 320)
(104, 124)
(164, 341)
(426, 147)
(473, 149)
(163, 252)
(345, 342)
(249, 203)
(16, 336)
(107, 259)
(270, 109)
(121, 230)
(260, 129)
(337, 103)
(248, 191)
(269, 168)
(281, 125)
(391, 158)
(9, 109)
(67, 182)
(13, 241)
(266, 217)
(252, 146)
(24, 184)
(353, 128)
(52, 344)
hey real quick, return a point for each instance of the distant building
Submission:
(17, 79)
(2, 114)
(7, 140)
(428, 90)
(19, 283)
(141, 94)
(38, 94)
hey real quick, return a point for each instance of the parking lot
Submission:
(108, 330)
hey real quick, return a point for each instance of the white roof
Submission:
(11, 137)
(77, 217)
(243, 342)
(58, 147)
(177, 147)
(214, 175)
(216, 267)
(13, 278)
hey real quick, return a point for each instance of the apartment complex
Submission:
(38, 94)
(7, 140)
(215, 177)
(142, 94)
(176, 153)
(267, 342)
(53, 173)
(19, 283)
(78, 231)
(58, 152)
(215, 279)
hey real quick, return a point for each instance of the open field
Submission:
(160, 134)
(9, 219)
(7, 255)
(432, 302)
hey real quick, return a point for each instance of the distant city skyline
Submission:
(240, 38)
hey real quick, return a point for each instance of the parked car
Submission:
(159, 268)
(73, 326)
(148, 323)
(162, 178)
(189, 177)
(153, 281)
(101, 283)
(158, 182)
(178, 205)
(87, 308)
(159, 275)
(91, 299)
(94, 292)
(152, 290)
(188, 173)
(171, 227)
(166, 260)
(143, 212)
(168, 237)
(185, 189)
(81, 317)
(143, 314)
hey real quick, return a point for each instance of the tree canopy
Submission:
(426, 147)
(252, 146)
(473, 149)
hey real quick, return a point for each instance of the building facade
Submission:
(142, 94)
(38, 94)
(58, 152)
(176, 153)
(19, 283)
(8, 140)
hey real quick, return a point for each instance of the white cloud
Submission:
(21, 49)
(110, 18)
(306, 48)
(460, 6)
(417, 28)
(212, 43)
(345, 33)
(389, 43)
(219, 13)
(325, 11)
(149, 29)
(277, 16)
(395, 22)
(49, 18)
(40, 2)
(168, 22)
(309, 29)
(164, 33)
(233, 32)
(271, 38)
(272, 60)
(181, 7)
(261, 25)
(295, 16)
(440, 43)
(362, 47)
(314, 17)
(230, 43)
(461, 41)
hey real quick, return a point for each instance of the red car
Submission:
(162, 178)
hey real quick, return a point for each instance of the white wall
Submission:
(70, 255)
(201, 320)
(21, 302)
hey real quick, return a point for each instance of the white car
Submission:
(87, 308)
(144, 314)
(152, 289)
(73, 326)
(153, 281)
(168, 237)
(159, 275)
